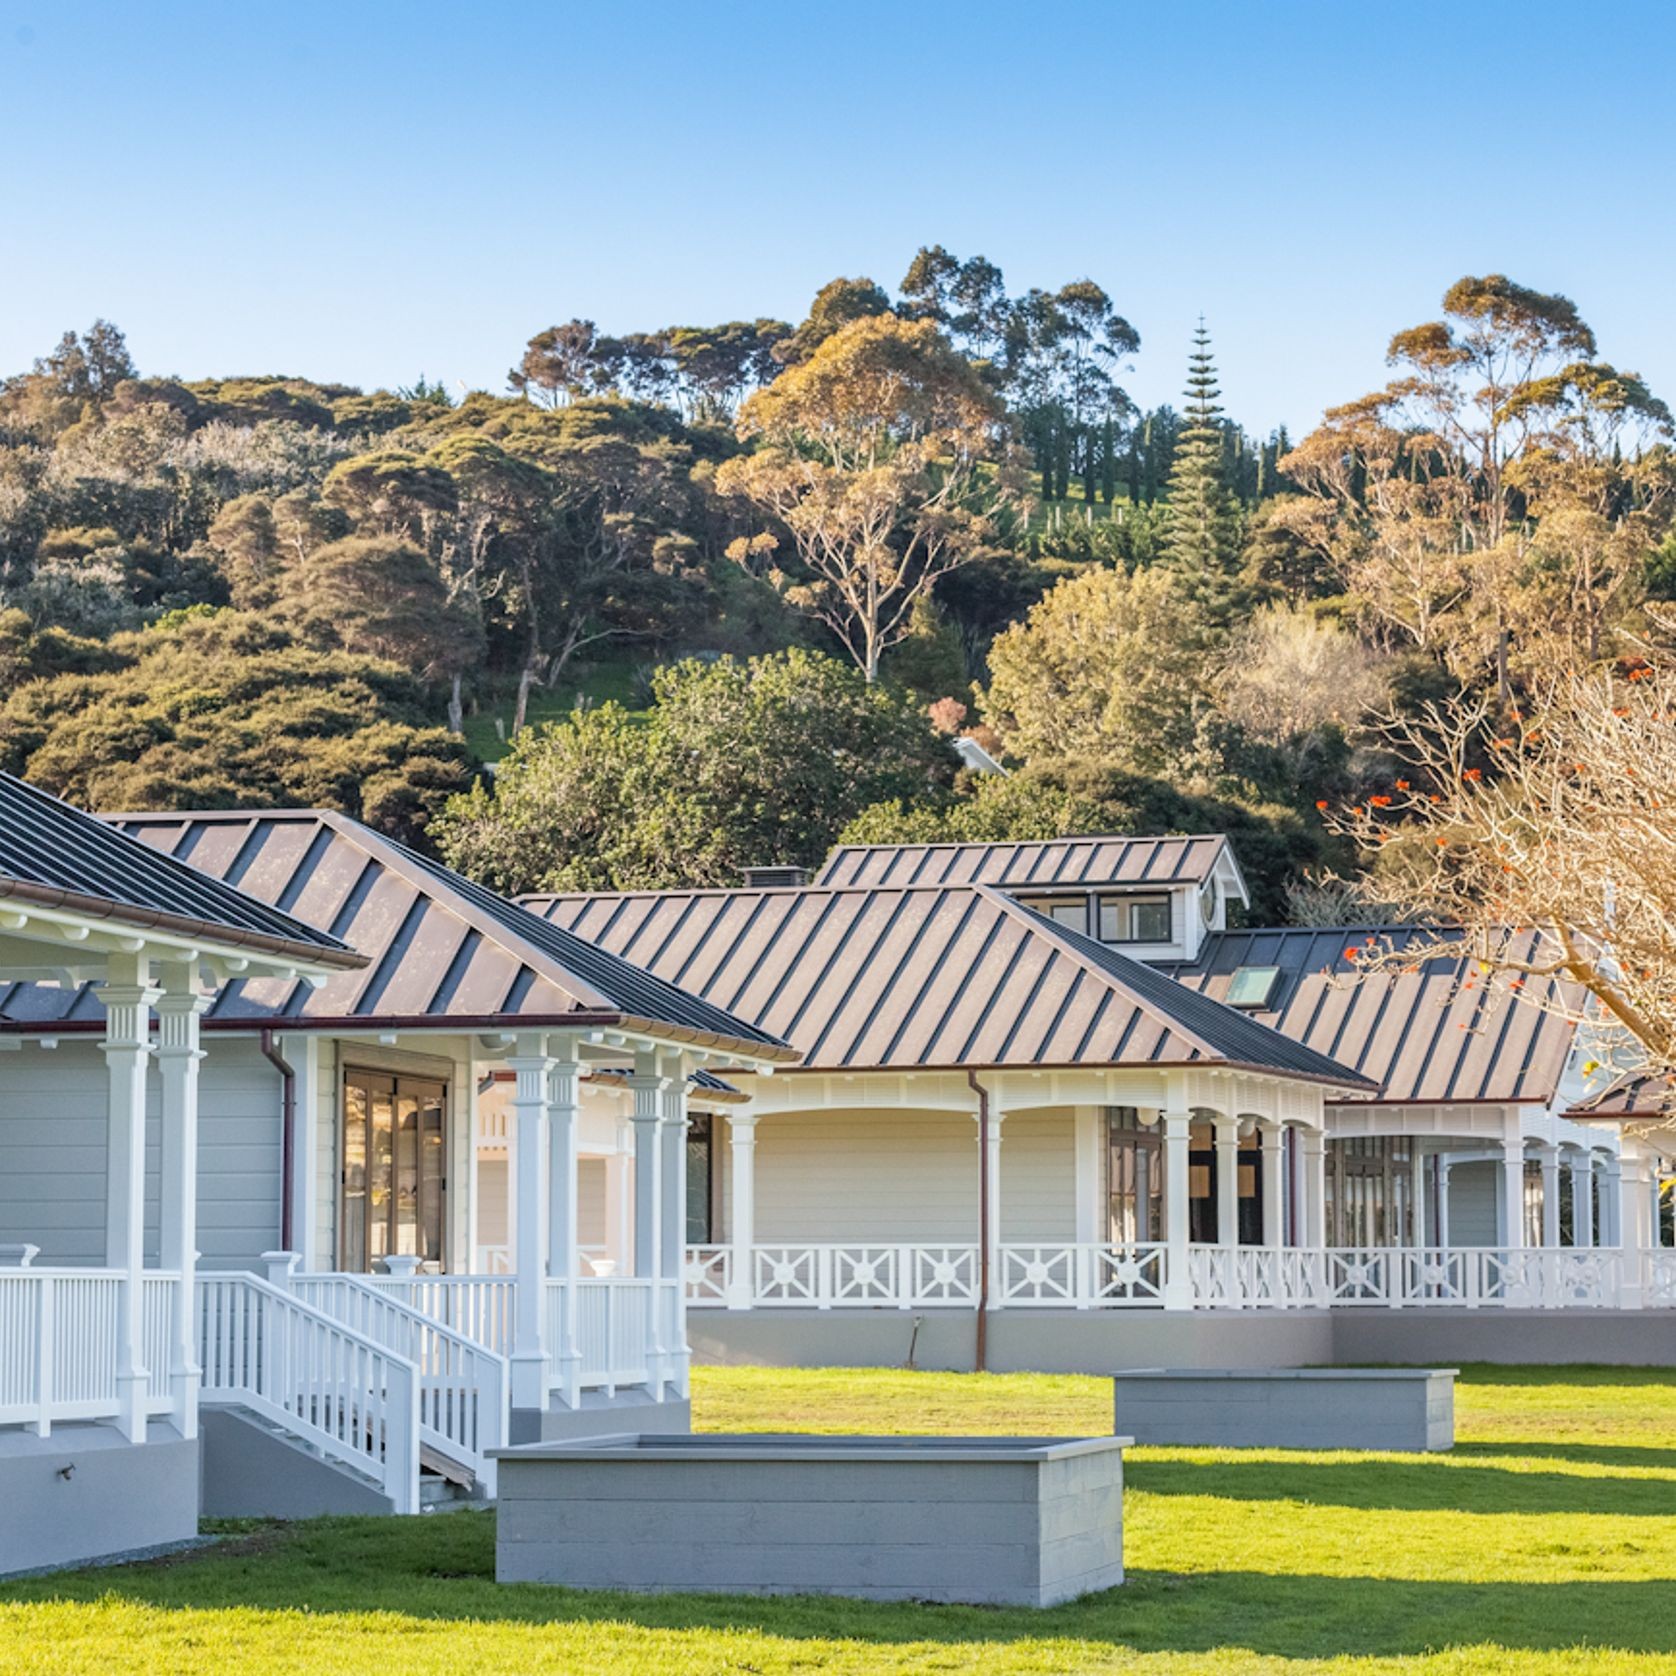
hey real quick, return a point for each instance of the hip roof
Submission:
(925, 977)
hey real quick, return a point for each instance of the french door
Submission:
(394, 1169)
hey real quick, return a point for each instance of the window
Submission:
(394, 1169)
(1251, 986)
(1207, 901)
(1068, 911)
(700, 1154)
(1135, 1179)
(1135, 919)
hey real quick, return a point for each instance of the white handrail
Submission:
(353, 1399)
(463, 1387)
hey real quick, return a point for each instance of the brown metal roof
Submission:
(54, 854)
(921, 977)
(439, 948)
(1055, 864)
(1423, 1036)
(1645, 1096)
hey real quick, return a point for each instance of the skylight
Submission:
(1251, 986)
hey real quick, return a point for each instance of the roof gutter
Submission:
(287, 1136)
(980, 1353)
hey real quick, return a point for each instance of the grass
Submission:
(1546, 1542)
(616, 680)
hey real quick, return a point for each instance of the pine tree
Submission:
(1201, 535)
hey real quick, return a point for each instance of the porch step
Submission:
(444, 1468)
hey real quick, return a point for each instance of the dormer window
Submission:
(1068, 911)
(1252, 986)
(1135, 919)
(1207, 901)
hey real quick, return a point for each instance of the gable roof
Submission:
(55, 854)
(924, 977)
(1053, 864)
(1419, 1034)
(439, 949)
(1644, 1095)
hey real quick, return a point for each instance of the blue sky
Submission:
(367, 191)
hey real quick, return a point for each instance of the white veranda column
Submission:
(1582, 1199)
(1549, 1156)
(742, 1153)
(992, 1177)
(1512, 1217)
(1273, 1138)
(646, 1088)
(1227, 1181)
(128, 996)
(1178, 1284)
(563, 1215)
(179, 1010)
(1611, 1200)
(1416, 1194)
(531, 1067)
(1313, 1146)
(673, 1256)
(1443, 1168)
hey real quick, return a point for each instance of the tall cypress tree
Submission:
(1201, 534)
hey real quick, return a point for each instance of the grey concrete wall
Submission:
(1257, 1408)
(1628, 1338)
(992, 1532)
(251, 1473)
(85, 1493)
(1020, 1340)
(1102, 1341)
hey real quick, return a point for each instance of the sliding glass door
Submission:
(394, 1169)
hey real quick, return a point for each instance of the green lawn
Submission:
(1545, 1542)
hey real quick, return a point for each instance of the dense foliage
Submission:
(798, 556)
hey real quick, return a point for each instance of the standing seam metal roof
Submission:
(1420, 1034)
(1056, 863)
(54, 853)
(438, 947)
(921, 977)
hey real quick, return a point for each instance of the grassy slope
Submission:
(1546, 1542)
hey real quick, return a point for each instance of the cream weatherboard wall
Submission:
(911, 1176)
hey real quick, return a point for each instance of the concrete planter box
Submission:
(993, 1521)
(1290, 1408)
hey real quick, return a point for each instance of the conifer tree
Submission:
(1201, 536)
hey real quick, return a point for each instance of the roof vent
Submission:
(776, 878)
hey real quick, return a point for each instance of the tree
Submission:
(381, 597)
(1108, 666)
(1439, 483)
(737, 764)
(885, 458)
(230, 711)
(1201, 539)
(1552, 846)
(565, 362)
(1289, 674)
(838, 303)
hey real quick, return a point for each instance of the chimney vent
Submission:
(776, 878)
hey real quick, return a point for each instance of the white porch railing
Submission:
(478, 1306)
(618, 1321)
(463, 1388)
(1093, 1276)
(353, 1399)
(1080, 1276)
(58, 1338)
